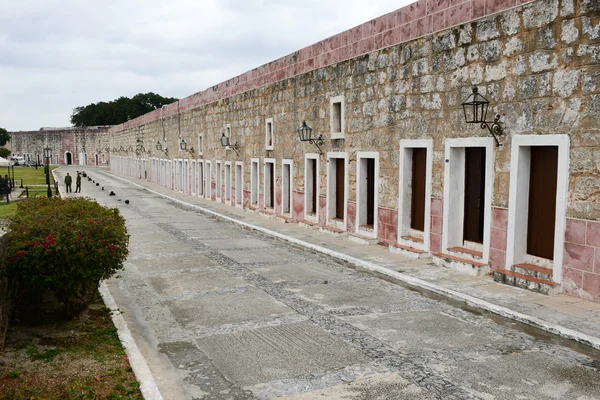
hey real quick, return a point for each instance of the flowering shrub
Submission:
(67, 246)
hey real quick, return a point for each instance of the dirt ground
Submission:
(66, 359)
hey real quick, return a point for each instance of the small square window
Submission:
(269, 137)
(337, 117)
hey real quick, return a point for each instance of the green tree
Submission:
(4, 152)
(119, 110)
(4, 136)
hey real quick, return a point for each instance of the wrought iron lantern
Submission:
(130, 148)
(305, 135)
(159, 146)
(182, 145)
(121, 148)
(475, 108)
(226, 143)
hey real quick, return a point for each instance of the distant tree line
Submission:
(118, 111)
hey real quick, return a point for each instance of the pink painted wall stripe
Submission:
(420, 18)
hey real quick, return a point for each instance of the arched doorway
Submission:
(68, 158)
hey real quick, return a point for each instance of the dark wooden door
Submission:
(474, 194)
(315, 186)
(271, 185)
(543, 177)
(339, 187)
(370, 191)
(417, 206)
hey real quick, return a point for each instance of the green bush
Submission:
(4, 152)
(67, 246)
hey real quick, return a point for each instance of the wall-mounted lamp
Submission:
(122, 148)
(305, 135)
(182, 145)
(226, 142)
(130, 148)
(159, 146)
(475, 108)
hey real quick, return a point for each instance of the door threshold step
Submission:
(408, 251)
(283, 219)
(471, 267)
(268, 214)
(533, 270)
(332, 230)
(358, 238)
(463, 250)
(415, 239)
(526, 282)
(308, 224)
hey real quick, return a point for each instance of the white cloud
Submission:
(59, 54)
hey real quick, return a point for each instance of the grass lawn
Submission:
(7, 210)
(66, 359)
(30, 175)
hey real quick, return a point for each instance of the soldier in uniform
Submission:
(78, 183)
(68, 181)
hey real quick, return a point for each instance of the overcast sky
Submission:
(56, 55)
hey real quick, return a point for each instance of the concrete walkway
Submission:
(223, 312)
(567, 316)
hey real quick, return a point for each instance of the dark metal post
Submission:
(47, 162)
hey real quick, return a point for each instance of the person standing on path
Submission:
(68, 181)
(78, 183)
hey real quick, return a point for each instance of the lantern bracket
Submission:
(494, 127)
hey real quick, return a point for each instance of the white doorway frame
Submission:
(228, 182)
(405, 191)
(218, 183)
(208, 173)
(255, 182)
(272, 181)
(287, 193)
(454, 194)
(239, 184)
(518, 199)
(361, 194)
(307, 181)
(331, 189)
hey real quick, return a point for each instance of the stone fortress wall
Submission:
(401, 79)
(83, 145)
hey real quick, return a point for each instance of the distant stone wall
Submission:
(83, 144)
(5, 295)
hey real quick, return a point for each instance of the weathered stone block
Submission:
(540, 13)
(490, 51)
(542, 61)
(591, 28)
(510, 22)
(569, 31)
(486, 29)
(495, 72)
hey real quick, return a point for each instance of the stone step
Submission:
(308, 224)
(334, 231)
(533, 270)
(528, 282)
(462, 251)
(408, 251)
(460, 264)
(358, 238)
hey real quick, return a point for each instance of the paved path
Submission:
(222, 312)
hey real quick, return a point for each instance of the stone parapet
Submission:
(413, 21)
